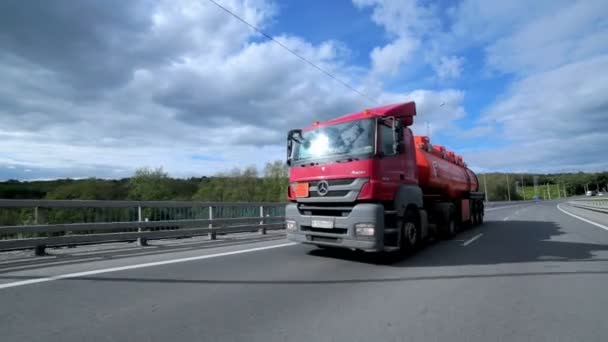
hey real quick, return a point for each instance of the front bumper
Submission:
(343, 234)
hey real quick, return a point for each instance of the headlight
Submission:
(365, 229)
(290, 225)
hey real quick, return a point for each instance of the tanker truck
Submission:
(363, 181)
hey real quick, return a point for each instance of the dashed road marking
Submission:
(471, 240)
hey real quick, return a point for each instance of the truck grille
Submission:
(334, 193)
(342, 181)
(343, 190)
(325, 210)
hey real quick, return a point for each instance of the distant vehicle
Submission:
(590, 193)
(600, 194)
(537, 198)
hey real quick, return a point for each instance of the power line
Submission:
(327, 73)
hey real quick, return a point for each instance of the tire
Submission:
(410, 234)
(475, 215)
(407, 245)
(449, 226)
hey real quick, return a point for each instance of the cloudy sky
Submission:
(99, 88)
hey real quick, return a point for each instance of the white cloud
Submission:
(449, 67)
(193, 81)
(403, 17)
(482, 21)
(554, 120)
(408, 23)
(388, 59)
(566, 34)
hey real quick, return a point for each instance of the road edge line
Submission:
(135, 266)
(582, 218)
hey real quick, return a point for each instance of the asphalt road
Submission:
(534, 274)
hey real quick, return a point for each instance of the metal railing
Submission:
(599, 204)
(37, 224)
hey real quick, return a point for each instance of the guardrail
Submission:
(37, 224)
(593, 203)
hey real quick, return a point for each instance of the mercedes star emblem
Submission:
(322, 188)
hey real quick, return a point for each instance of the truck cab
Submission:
(347, 174)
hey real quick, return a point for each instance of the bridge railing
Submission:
(591, 203)
(37, 224)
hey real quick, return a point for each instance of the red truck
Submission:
(363, 181)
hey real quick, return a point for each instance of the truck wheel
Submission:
(475, 215)
(449, 229)
(410, 233)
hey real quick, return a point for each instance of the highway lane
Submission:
(530, 273)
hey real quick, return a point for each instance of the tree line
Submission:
(154, 184)
(249, 185)
(519, 186)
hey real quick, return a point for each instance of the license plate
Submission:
(301, 189)
(322, 224)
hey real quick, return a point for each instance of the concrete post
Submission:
(263, 229)
(141, 241)
(40, 250)
(212, 234)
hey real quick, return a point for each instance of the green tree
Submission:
(150, 185)
(275, 182)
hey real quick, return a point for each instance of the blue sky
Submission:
(89, 91)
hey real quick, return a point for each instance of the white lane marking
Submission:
(131, 267)
(515, 213)
(581, 218)
(471, 240)
(507, 206)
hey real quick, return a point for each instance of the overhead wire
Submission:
(285, 47)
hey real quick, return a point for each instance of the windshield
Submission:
(353, 138)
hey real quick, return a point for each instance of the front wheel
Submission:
(410, 232)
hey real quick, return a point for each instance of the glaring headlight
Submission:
(290, 225)
(365, 229)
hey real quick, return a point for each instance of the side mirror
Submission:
(294, 135)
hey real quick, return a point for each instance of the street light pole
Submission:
(523, 191)
(485, 188)
(508, 189)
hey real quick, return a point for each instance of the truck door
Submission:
(391, 166)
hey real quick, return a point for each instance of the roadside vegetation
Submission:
(249, 185)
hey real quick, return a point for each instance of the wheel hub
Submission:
(410, 232)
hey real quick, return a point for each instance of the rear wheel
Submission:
(449, 225)
(479, 212)
(475, 214)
